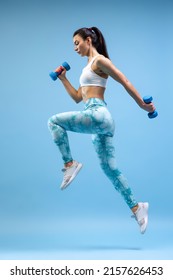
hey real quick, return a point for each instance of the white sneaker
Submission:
(70, 173)
(141, 215)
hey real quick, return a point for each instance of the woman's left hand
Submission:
(148, 107)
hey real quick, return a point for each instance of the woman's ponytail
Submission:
(100, 43)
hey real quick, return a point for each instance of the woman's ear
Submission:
(89, 41)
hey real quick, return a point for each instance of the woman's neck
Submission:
(93, 52)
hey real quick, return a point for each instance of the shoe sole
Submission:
(73, 176)
(146, 219)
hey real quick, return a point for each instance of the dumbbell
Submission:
(148, 99)
(54, 75)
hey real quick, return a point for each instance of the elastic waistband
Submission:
(91, 102)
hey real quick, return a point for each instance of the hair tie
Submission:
(90, 29)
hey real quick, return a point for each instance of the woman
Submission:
(95, 119)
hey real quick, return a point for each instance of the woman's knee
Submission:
(109, 170)
(49, 123)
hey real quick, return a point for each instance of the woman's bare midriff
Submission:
(92, 92)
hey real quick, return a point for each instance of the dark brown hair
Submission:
(97, 38)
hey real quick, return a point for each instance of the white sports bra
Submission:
(90, 78)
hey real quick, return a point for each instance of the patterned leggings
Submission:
(95, 119)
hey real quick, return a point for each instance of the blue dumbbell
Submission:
(54, 75)
(148, 99)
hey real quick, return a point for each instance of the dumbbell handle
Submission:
(148, 99)
(54, 75)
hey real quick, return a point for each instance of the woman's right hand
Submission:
(61, 69)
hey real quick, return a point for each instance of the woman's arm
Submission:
(105, 65)
(75, 94)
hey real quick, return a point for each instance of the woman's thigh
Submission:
(91, 121)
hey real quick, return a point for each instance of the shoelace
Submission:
(66, 176)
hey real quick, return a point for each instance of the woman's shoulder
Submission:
(101, 60)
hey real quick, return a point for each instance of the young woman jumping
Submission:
(95, 119)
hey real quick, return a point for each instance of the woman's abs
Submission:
(92, 92)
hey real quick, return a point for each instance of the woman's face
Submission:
(81, 46)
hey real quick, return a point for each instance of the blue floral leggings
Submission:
(95, 119)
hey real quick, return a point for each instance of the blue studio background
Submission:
(89, 219)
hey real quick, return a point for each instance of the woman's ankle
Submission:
(135, 208)
(68, 164)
